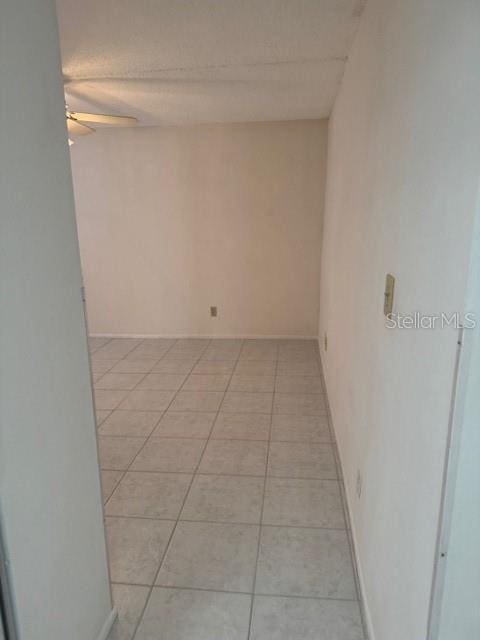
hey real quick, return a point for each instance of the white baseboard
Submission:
(103, 635)
(367, 617)
(209, 337)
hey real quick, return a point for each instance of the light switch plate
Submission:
(388, 300)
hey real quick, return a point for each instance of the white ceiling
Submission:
(193, 61)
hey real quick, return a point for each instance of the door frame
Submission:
(464, 373)
(7, 618)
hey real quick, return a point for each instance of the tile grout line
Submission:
(254, 584)
(326, 443)
(226, 522)
(227, 475)
(163, 437)
(265, 413)
(244, 593)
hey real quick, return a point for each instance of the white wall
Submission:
(50, 505)
(403, 171)
(175, 220)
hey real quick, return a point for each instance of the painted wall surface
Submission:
(175, 220)
(402, 177)
(50, 505)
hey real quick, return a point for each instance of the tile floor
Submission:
(223, 499)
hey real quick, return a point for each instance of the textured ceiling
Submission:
(193, 61)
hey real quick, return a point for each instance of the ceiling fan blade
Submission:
(77, 129)
(103, 118)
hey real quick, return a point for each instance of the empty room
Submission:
(239, 320)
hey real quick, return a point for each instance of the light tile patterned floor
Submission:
(223, 499)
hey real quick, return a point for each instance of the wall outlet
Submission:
(213, 312)
(359, 484)
(325, 342)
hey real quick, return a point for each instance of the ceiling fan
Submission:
(76, 120)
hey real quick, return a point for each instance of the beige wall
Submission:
(175, 220)
(404, 163)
